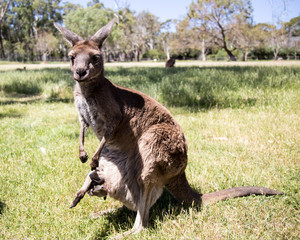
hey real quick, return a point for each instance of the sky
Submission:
(177, 9)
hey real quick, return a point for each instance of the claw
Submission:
(94, 164)
(83, 157)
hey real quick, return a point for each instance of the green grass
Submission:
(242, 126)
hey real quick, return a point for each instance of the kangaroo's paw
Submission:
(94, 163)
(83, 156)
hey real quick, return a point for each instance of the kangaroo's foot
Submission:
(126, 234)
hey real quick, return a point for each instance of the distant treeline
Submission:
(211, 29)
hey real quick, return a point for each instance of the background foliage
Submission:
(209, 26)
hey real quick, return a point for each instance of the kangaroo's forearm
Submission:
(82, 153)
(96, 156)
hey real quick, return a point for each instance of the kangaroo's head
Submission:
(85, 55)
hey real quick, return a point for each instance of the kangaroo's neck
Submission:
(94, 86)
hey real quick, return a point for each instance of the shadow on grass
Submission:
(123, 219)
(15, 100)
(10, 115)
(191, 88)
(36, 82)
(3, 206)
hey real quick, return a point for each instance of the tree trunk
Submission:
(168, 53)
(230, 54)
(138, 55)
(3, 11)
(1, 43)
(44, 57)
(203, 50)
(276, 54)
(246, 56)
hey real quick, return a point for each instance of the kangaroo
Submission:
(108, 179)
(139, 138)
(170, 63)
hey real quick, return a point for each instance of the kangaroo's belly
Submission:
(120, 182)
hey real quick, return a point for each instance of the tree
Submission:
(124, 44)
(86, 21)
(146, 29)
(278, 39)
(20, 27)
(246, 37)
(217, 17)
(278, 35)
(3, 10)
(202, 38)
(293, 30)
(24, 20)
(69, 7)
(46, 13)
(182, 41)
(293, 27)
(46, 43)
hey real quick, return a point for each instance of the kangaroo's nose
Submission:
(81, 72)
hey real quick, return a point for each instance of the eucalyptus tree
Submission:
(246, 37)
(183, 40)
(146, 29)
(293, 27)
(19, 29)
(3, 9)
(25, 20)
(215, 19)
(293, 30)
(166, 37)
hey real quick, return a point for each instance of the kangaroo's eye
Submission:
(96, 58)
(71, 58)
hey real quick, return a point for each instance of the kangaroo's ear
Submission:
(103, 33)
(72, 38)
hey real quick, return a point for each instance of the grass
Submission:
(242, 126)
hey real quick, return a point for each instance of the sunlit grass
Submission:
(242, 127)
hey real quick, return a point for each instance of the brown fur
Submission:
(142, 148)
(21, 69)
(170, 62)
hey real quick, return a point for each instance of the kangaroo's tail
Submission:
(181, 190)
(237, 192)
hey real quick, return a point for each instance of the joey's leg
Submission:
(83, 128)
(80, 194)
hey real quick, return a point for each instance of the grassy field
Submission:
(243, 129)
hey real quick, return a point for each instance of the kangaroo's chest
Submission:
(91, 113)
